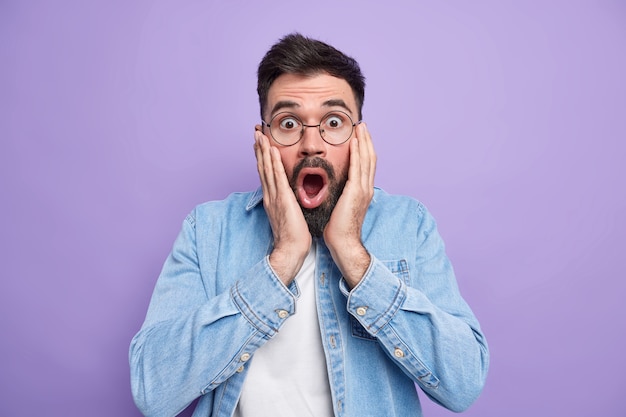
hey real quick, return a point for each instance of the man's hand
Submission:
(343, 232)
(292, 239)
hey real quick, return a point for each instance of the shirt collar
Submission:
(255, 199)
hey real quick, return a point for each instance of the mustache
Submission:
(312, 162)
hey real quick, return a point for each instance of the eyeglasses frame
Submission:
(304, 126)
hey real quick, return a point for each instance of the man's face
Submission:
(317, 171)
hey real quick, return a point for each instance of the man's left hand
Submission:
(343, 231)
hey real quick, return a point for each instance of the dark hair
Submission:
(297, 54)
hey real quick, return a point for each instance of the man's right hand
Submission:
(292, 238)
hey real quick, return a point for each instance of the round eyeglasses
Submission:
(287, 129)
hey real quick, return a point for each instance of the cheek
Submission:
(288, 159)
(341, 161)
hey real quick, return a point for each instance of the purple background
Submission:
(507, 119)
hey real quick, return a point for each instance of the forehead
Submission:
(314, 93)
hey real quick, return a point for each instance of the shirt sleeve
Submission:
(179, 353)
(423, 324)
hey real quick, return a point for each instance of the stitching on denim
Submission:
(415, 362)
(236, 295)
(387, 315)
(191, 219)
(359, 331)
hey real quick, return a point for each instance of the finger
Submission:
(368, 154)
(364, 153)
(280, 175)
(364, 157)
(266, 167)
(269, 166)
(354, 170)
(259, 160)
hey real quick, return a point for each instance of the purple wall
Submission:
(507, 119)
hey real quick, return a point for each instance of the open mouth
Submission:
(312, 184)
(311, 187)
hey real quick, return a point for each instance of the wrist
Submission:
(286, 264)
(353, 260)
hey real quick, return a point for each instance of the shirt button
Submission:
(398, 353)
(240, 369)
(361, 311)
(283, 314)
(244, 357)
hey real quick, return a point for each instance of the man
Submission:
(317, 295)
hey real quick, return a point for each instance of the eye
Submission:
(289, 123)
(334, 121)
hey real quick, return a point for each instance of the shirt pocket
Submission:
(400, 269)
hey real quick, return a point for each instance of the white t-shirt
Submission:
(287, 375)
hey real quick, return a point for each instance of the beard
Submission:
(317, 218)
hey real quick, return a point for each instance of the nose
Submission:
(312, 143)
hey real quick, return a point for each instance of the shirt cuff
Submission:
(377, 297)
(263, 299)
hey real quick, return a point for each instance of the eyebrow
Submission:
(285, 104)
(288, 104)
(337, 103)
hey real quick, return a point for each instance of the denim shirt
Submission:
(218, 300)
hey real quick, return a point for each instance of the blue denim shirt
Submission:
(218, 300)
